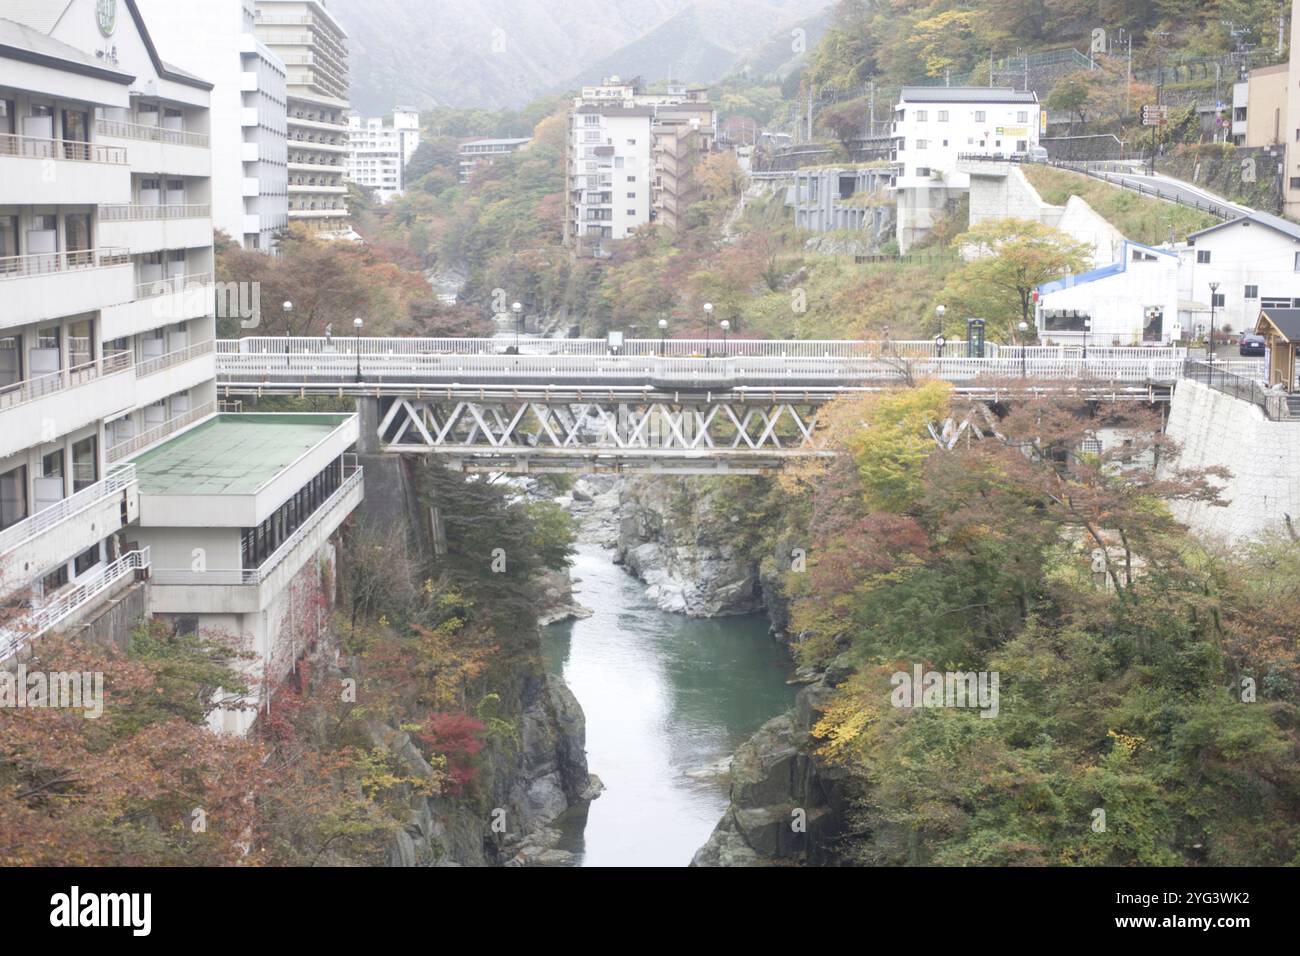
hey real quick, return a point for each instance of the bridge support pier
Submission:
(368, 411)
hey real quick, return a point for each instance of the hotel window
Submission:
(13, 496)
(87, 559)
(1218, 299)
(922, 143)
(921, 115)
(979, 116)
(1203, 255)
(85, 463)
(8, 241)
(943, 116)
(1252, 292)
(1297, 262)
(1022, 117)
(7, 117)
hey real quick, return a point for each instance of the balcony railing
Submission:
(145, 212)
(171, 284)
(155, 365)
(20, 393)
(48, 263)
(148, 437)
(150, 134)
(19, 534)
(254, 576)
(26, 627)
(28, 147)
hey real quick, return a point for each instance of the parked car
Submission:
(1252, 345)
(1037, 154)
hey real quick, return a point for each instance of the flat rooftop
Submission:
(231, 454)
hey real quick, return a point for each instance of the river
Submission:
(667, 698)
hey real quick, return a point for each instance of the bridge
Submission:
(676, 406)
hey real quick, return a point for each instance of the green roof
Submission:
(231, 454)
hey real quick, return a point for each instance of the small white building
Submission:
(1256, 262)
(934, 125)
(380, 149)
(484, 152)
(1132, 301)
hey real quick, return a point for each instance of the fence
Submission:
(1273, 403)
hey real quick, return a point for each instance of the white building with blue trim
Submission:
(1132, 301)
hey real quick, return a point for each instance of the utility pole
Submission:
(990, 69)
(871, 129)
(1281, 25)
(810, 114)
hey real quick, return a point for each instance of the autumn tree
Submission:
(1007, 260)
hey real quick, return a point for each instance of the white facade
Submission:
(1132, 301)
(250, 177)
(105, 219)
(1255, 261)
(933, 126)
(313, 46)
(380, 151)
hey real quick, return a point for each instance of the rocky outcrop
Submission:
(670, 538)
(786, 805)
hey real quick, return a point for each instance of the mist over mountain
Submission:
(503, 53)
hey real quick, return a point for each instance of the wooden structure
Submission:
(1281, 330)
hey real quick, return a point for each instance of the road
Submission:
(1175, 190)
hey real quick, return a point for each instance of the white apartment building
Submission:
(380, 150)
(117, 471)
(629, 158)
(933, 126)
(250, 176)
(313, 46)
(1131, 301)
(484, 152)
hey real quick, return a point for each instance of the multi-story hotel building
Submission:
(484, 152)
(118, 473)
(217, 40)
(630, 155)
(313, 47)
(380, 151)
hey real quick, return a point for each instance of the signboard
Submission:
(106, 16)
(1042, 122)
(1013, 130)
(1153, 115)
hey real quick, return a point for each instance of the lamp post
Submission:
(708, 326)
(663, 331)
(1087, 327)
(726, 327)
(518, 311)
(1024, 329)
(287, 309)
(1214, 288)
(356, 342)
(941, 311)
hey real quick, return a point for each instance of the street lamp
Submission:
(708, 326)
(726, 327)
(663, 331)
(518, 310)
(940, 311)
(356, 342)
(1024, 329)
(287, 308)
(1214, 288)
(1087, 327)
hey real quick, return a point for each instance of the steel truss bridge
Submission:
(675, 406)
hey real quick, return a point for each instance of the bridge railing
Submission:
(343, 368)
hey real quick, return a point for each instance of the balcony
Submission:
(159, 302)
(42, 286)
(67, 528)
(71, 397)
(174, 372)
(84, 173)
(67, 607)
(153, 148)
(151, 436)
(148, 227)
(248, 590)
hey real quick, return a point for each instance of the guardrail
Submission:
(1273, 403)
(51, 263)
(21, 393)
(150, 134)
(25, 628)
(16, 535)
(253, 576)
(159, 432)
(29, 147)
(171, 284)
(179, 357)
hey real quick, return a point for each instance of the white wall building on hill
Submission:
(474, 153)
(1131, 301)
(380, 149)
(1256, 262)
